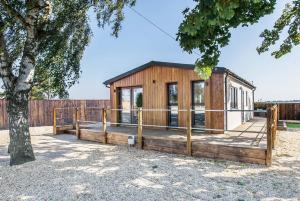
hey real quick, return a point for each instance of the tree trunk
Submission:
(20, 148)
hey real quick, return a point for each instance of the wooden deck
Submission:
(249, 134)
(247, 143)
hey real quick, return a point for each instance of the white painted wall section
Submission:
(236, 118)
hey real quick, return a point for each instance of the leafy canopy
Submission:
(62, 32)
(289, 19)
(208, 25)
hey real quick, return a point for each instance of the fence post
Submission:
(189, 133)
(274, 126)
(74, 118)
(140, 128)
(104, 117)
(77, 123)
(54, 122)
(269, 136)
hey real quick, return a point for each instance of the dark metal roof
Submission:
(173, 65)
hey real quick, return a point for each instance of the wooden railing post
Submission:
(274, 126)
(74, 118)
(62, 119)
(269, 136)
(140, 128)
(77, 123)
(189, 133)
(54, 122)
(104, 118)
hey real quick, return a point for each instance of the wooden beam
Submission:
(274, 126)
(189, 133)
(77, 123)
(90, 135)
(104, 125)
(54, 121)
(269, 137)
(74, 118)
(140, 128)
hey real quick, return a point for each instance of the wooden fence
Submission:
(41, 111)
(286, 111)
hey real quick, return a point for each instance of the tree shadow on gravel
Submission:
(69, 169)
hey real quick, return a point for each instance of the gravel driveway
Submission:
(68, 169)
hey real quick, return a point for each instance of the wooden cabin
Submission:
(176, 87)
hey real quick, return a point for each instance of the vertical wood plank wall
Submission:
(154, 81)
(41, 111)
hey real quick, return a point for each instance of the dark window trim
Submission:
(168, 97)
(168, 101)
(192, 92)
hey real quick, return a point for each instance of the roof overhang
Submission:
(174, 65)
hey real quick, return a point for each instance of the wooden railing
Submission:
(76, 125)
(272, 119)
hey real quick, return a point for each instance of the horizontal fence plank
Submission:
(116, 138)
(164, 149)
(41, 111)
(92, 136)
(168, 143)
(229, 157)
(229, 150)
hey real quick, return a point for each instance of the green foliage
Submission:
(37, 94)
(290, 19)
(207, 27)
(62, 33)
(139, 100)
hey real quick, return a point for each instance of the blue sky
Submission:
(139, 42)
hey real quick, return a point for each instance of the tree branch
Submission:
(5, 63)
(12, 12)
(27, 68)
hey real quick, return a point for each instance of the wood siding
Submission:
(154, 81)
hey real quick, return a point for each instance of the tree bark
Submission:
(20, 148)
(18, 85)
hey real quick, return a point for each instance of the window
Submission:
(247, 98)
(125, 105)
(234, 97)
(130, 99)
(172, 104)
(173, 94)
(198, 104)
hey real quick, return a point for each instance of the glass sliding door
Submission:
(125, 105)
(137, 101)
(172, 90)
(198, 104)
(130, 99)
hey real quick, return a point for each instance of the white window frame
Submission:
(234, 97)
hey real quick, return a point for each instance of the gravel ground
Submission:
(68, 169)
